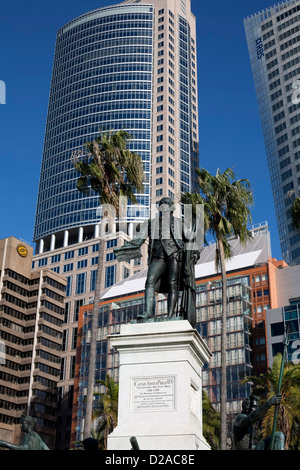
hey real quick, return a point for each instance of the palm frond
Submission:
(295, 213)
(109, 168)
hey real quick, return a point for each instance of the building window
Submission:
(83, 251)
(72, 367)
(77, 305)
(126, 272)
(69, 255)
(65, 340)
(68, 267)
(110, 275)
(67, 312)
(277, 329)
(82, 264)
(80, 283)
(62, 368)
(74, 338)
(55, 259)
(43, 262)
(111, 243)
(93, 280)
(110, 256)
(69, 286)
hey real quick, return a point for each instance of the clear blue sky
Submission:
(230, 130)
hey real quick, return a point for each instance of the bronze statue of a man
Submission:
(171, 265)
(245, 432)
(31, 441)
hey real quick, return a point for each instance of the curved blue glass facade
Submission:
(102, 79)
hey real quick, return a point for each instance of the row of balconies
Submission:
(19, 288)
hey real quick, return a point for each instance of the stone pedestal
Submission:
(160, 386)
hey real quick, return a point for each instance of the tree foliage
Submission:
(211, 423)
(295, 213)
(266, 385)
(109, 168)
(226, 204)
(106, 414)
(227, 213)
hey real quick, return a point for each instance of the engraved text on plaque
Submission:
(153, 394)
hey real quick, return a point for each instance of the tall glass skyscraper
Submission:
(132, 66)
(274, 46)
(102, 79)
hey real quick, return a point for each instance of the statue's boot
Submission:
(149, 302)
(172, 302)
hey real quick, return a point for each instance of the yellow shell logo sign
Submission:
(22, 250)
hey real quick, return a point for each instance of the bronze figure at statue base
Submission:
(31, 441)
(245, 428)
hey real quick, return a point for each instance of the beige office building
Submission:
(31, 317)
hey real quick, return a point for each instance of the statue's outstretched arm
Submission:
(13, 446)
(261, 411)
(131, 249)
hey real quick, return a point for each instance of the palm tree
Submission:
(226, 213)
(266, 385)
(107, 412)
(111, 170)
(211, 423)
(295, 212)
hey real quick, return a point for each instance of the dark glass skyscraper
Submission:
(273, 43)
